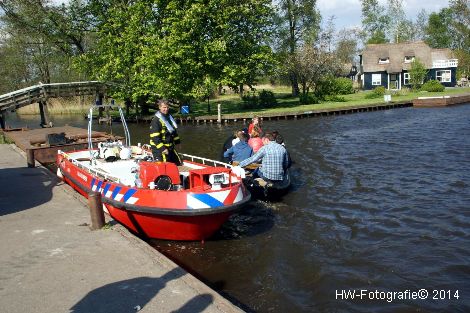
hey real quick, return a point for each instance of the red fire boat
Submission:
(155, 199)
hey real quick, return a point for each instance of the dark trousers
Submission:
(172, 156)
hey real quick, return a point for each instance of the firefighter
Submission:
(163, 135)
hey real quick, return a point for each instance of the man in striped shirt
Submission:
(274, 159)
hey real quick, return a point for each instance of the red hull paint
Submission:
(173, 224)
(170, 227)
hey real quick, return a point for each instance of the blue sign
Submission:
(185, 109)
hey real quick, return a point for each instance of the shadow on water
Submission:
(15, 182)
(255, 219)
(133, 294)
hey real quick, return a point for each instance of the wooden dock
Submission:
(42, 144)
(441, 101)
(236, 118)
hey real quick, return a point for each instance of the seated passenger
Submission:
(280, 140)
(255, 141)
(241, 150)
(227, 145)
(236, 138)
(274, 159)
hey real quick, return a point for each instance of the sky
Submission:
(348, 12)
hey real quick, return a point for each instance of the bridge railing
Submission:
(42, 92)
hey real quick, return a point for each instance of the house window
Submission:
(409, 59)
(376, 79)
(443, 76)
(384, 60)
(406, 78)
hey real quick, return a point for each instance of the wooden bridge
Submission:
(42, 92)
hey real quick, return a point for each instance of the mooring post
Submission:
(2, 120)
(30, 158)
(44, 114)
(99, 102)
(219, 113)
(96, 210)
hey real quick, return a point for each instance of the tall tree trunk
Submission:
(241, 90)
(292, 47)
(128, 104)
(294, 84)
(144, 109)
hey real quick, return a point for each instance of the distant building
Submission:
(388, 64)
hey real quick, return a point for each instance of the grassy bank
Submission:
(233, 105)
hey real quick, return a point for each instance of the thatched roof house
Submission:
(388, 64)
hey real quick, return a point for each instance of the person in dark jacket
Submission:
(163, 135)
(241, 150)
(227, 145)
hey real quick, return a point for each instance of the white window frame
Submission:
(409, 58)
(376, 79)
(384, 60)
(406, 78)
(444, 76)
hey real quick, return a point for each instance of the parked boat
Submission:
(270, 190)
(260, 188)
(155, 199)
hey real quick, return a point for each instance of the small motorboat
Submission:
(260, 188)
(155, 199)
(270, 190)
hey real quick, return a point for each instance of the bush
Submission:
(253, 100)
(334, 86)
(343, 86)
(267, 99)
(433, 86)
(377, 92)
(250, 100)
(308, 99)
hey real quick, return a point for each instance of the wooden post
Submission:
(99, 101)
(2, 120)
(44, 114)
(30, 158)
(219, 113)
(96, 210)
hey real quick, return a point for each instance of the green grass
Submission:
(4, 140)
(232, 104)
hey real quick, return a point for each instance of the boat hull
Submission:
(146, 220)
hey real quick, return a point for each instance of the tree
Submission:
(438, 33)
(171, 48)
(397, 17)
(374, 22)
(346, 49)
(460, 13)
(298, 24)
(313, 63)
(41, 38)
(417, 72)
(464, 63)
(419, 26)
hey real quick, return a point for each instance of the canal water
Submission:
(380, 205)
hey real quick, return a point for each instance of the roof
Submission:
(396, 53)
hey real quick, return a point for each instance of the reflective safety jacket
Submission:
(160, 136)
